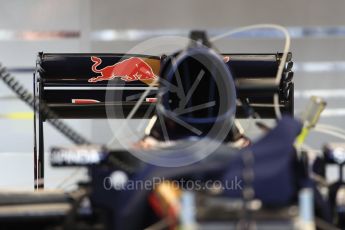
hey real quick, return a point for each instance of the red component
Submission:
(163, 212)
(151, 99)
(84, 101)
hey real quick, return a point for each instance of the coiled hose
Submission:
(52, 117)
(34, 102)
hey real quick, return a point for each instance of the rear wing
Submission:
(64, 82)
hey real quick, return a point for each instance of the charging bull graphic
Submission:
(130, 69)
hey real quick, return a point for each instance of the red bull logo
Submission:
(130, 69)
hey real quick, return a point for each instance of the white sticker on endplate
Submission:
(332, 173)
